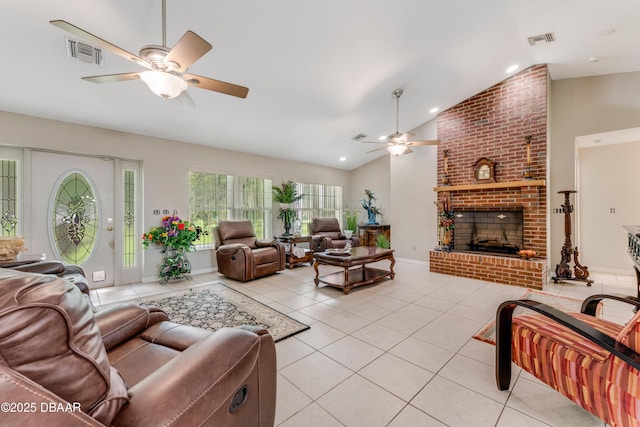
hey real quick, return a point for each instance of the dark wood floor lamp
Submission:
(563, 270)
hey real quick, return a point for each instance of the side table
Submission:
(291, 242)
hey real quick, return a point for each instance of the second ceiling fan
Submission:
(167, 68)
(399, 143)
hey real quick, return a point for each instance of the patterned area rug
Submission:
(215, 305)
(488, 333)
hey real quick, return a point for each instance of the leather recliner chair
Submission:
(241, 256)
(326, 234)
(63, 365)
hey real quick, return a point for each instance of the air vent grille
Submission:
(84, 52)
(359, 137)
(542, 39)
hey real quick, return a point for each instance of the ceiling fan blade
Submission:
(408, 151)
(424, 142)
(216, 85)
(374, 142)
(112, 78)
(377, 149)
(97, 41)
(188, 50)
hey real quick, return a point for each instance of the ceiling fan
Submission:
(167, 68)
(398, 143)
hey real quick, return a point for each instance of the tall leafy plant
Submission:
(286, 194)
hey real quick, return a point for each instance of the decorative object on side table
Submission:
(528, 173)
(174, 237)
(446, 224)
(372, 211)
(286, 194)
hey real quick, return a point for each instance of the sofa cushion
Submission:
(45, 324)
(230, 230)
(265, 255)
(321, 225)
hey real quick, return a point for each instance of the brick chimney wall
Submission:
(493, 124)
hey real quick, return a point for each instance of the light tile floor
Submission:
(400, 352)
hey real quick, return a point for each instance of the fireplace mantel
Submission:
(492, 185)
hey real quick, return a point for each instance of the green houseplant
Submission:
(351, 216)
(286, 194)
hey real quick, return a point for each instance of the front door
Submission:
(72, 212)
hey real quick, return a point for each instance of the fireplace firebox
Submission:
(489, 230)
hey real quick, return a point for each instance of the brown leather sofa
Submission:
(63, 365)
(241, 256)
(326, 234)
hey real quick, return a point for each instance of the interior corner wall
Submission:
(166, 165)
(584, 106)
(413, 212)
(372, 176)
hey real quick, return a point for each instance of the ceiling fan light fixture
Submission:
(397, 150)
(163, 84)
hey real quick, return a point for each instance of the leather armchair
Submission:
(72, 273)
(241, 256)
(63, 365)
(593, 362)
(326, 234)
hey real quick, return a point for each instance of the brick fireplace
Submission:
(508, 212)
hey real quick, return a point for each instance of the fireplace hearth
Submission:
(489, 230)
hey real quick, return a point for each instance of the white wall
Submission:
(608, 179)
(413, 213)
(372, 176)
(165, 167)
(579, 107)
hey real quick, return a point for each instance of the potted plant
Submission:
(352, 222)
(286, 194)
(175, 238)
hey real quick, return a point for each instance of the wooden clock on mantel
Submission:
(484, 171)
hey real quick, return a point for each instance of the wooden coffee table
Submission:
(351, 277)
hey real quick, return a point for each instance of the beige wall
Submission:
(579, 107)
(372, 176)
(165, 167)
(413, 213)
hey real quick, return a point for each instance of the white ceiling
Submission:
(319, 73)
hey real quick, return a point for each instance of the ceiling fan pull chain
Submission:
(164, 23)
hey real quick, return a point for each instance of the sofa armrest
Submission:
(590, 304)
(232, 248)
(504, 323)
(34, 405)
(320, 243)
(45, 267)
(266, 243)
(120, 323)
(355, 241)
(198, 386)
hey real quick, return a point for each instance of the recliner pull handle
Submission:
(239, 398)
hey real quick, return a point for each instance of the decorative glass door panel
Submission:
(75, 219)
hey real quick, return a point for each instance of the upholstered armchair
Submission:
(241, 256)
(63, 365)
(593, 362)
(326, 234)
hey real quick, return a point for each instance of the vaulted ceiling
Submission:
(318, 73)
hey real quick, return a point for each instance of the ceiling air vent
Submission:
(542, 39)
(84, 52)
(359, 137)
